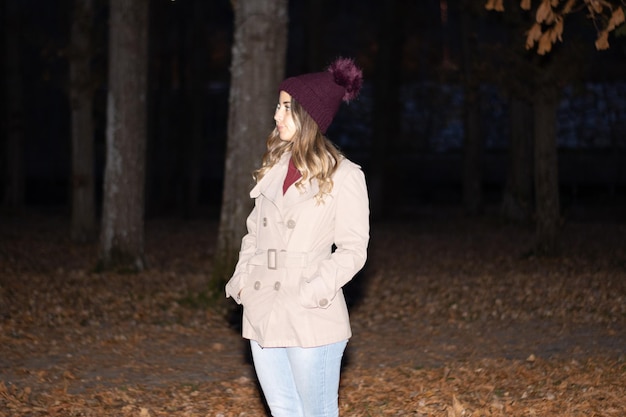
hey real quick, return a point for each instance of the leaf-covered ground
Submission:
(451, 317)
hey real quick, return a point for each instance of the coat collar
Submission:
(271, 186)
(295, 195)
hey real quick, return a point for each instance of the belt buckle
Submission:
(271, 259)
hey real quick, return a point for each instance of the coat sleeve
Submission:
(351, 238)
(248, 248)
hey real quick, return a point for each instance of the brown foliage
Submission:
(450, 319)
(550, 15)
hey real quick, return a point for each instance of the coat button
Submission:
(257, 285)
(291, 224)
(277, 285)
(323, 302)
(264, 221)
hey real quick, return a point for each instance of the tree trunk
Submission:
(83, 223)
(546, 171)
(473, 139)
(14, 190)
(517, 196)
(386, 112)
(258, 61)
(195, 94)
(473, 152)
(122, 234)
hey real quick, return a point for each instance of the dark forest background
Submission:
(189, 57)
(480, 156)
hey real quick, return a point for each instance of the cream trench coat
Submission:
(288, 279)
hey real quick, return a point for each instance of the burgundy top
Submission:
(292, 176)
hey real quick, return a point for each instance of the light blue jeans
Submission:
(300, 382)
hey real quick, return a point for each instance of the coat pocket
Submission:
(314, 294)
(257, 298)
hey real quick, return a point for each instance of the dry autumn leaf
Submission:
(544, 13)
(569, 6)
(617, 18)
(556, 32)
(457, 408)
(494, 5)
(545, 43)
(602, 42)
(534, 34)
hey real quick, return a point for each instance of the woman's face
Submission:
(284, 118)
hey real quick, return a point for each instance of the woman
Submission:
(309, 199)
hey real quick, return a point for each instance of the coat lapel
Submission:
(295, 195)
(271, 185)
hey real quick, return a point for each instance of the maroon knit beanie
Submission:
(321, 93)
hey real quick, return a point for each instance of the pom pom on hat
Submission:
(347, 75)
(321, 93)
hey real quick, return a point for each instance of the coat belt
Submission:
(275, 259)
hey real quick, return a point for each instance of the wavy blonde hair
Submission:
(313, 154)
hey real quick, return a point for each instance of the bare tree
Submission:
(14, 118)
(548, 208)
(517, 197)
(83, 223)
(473, 142)
(122, 234)
(517, 84)
(257, 67)
(542, 78)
